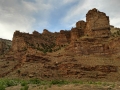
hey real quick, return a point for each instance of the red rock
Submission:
(97, 24)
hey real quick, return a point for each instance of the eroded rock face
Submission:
(91, 46)
(23, 41)
(63, 38)
(18, 42)
(33, 58)
(4, 46)
(81, 24)
(78, 31)
(76, 70)
(45, 31)
(97, 24)
(75, 34)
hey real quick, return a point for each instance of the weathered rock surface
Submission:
(63, 38)
(45, 31)
(4, 46)
(23, 41)
(87, 46)
(77, 71)
(97, 24)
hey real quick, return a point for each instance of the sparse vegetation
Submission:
(116, 34)
(24, 83)
(2, 87)
(25, 87)
(47, 84)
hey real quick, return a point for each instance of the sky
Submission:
(54, 15)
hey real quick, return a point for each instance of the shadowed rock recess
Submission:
(89, 51)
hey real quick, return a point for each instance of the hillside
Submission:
(89, 51)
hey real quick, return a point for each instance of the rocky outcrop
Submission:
(4, 45)
(87, 46)
(81, 24)
(33, 58)
(82, 39)
(75, 34)
(45, 31)
(22, 41)
(63, 38)
(91, 37)
(97, 24)
(79, 71)
(18, 42)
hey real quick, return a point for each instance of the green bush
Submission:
(77, 82)
(26, 87)
(2, 87)
(61, 82)
(9, 83)
(35, 81)
(23, 83)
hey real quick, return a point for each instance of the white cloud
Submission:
(79, 11)
(74, 14)
(16, 15)
(67, 1)
(115, 22)
(29, 6)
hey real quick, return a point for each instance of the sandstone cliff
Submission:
(63, 38)
(97, 24)
(90, 37)
(23, 41)
(4, 45)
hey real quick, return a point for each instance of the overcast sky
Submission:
(54, 15)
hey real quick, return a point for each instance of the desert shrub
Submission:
(35, 81)
(25, 87)
(2, 87)
(9, 83)
(77, 82)
(61, 82)
(24, 83)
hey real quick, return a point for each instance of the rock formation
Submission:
(97, 24)
(18, 42)
(4, 46)
(86, 51)
(45, 31)
(63, 38)
(23, 41)
(81, 24)
(75, 34)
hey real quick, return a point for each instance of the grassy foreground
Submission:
(4, 83)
